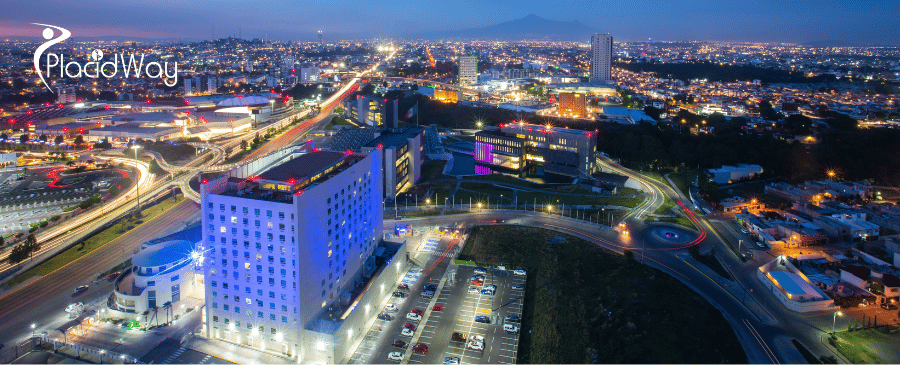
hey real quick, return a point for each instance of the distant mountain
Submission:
(530, 27)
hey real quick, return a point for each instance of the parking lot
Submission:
(460, 305)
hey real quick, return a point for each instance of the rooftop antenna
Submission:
(214, 32)
(239, 32)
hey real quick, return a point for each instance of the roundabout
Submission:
(661, 236)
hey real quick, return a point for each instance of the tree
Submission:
(59, 140)
(798, 124)
(43, 138)
(79, 140)
(2, 241)
(244, 144)
(24, 138)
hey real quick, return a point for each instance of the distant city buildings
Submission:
(601, 58)
(468, 70)
(730, 174)
(572, 105)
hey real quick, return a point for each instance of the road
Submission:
(43, 300)
(76, 227)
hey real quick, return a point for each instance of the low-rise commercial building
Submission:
(792, 288)
(514, 147)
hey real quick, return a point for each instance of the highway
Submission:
(64, 233)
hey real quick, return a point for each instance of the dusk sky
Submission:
(858, 22)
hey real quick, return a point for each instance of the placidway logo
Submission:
(73, 69)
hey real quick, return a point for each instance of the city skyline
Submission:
(791, 22)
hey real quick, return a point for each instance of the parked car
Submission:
(477, 282)
(396, 356)
(409, 326)
(406, 332)
(474, 290)
(399, 294)
(113, 275)
(491, 287)
(418, 311)
(403, 286)
(437, 308)
(483, 319)
(519, 287)
(451, 360)
(480, 270)
(391, 307)
(513, 318)
(413, 317)
(478, 277)
(428, 294)
(399, 343)
(430, 287)
(81, 289)
(420, 348)
(458, 336)
(487, 292)
(519, 272)
(475, 345)
(385, 316)
(510, 328)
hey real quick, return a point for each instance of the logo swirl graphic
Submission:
(48, 35)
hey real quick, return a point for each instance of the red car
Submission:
(403, 286)
(420, 348)
(113, 275)
(477, 282)
(458, 337)
(437, 308)
(409, 326)
(418, 311)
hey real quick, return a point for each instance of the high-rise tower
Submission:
(601, 57)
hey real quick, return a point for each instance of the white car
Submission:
(474, 290)
(396, 356)
(510, 328)
(477, 338)
(406, 332)
(391, 307)
(490, 287)
(745, 231)
(475, 345)
(519, 272)
(413, 317)
(481, 271)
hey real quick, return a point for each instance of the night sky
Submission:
(857, 22)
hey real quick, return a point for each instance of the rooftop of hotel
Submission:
(539, 128)
(300, 173)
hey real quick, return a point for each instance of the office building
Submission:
(309, 75)
(66, 95)
(290, 250)
(517, 146)
(601, 58)
(468, 70)
(402, 158)
(572, 105)
(372, 111)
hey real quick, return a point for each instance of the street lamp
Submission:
(137, 186)
(834, 319)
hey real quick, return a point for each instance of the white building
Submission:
(289, 246)
(730, 174)
(164, 273)
(468, 70)
(792, 288)
(309, 75)
(601, 57)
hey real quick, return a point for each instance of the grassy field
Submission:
(94, 242)
(679, 220)
(584, 304)
(682, 181)
(867, 346)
